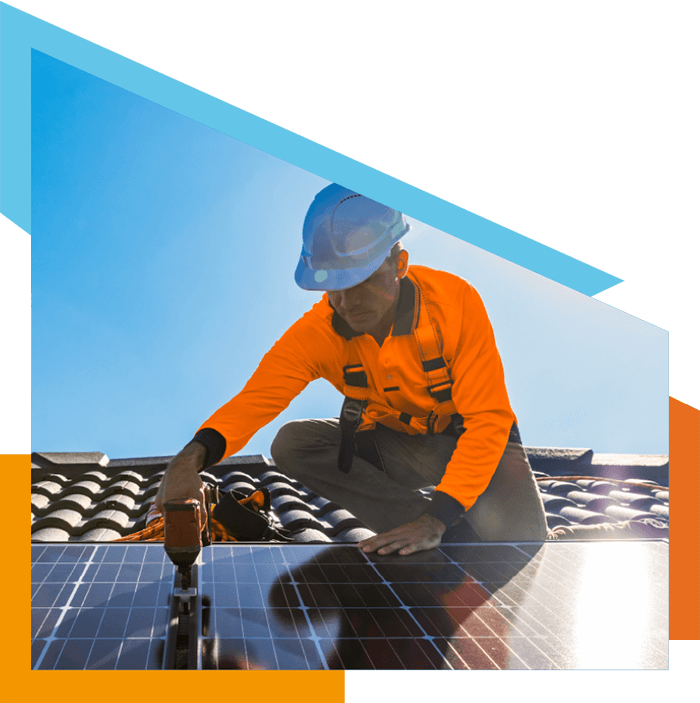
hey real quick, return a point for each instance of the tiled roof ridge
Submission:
(626, 481)
(563, 454)
(553, 461)
(99, 459)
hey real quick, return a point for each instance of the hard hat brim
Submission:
(333, 279)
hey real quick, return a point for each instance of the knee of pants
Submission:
(286, 443)
(295, 442)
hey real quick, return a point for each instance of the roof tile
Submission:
(591, 501)
(580, 516)
(559, 488)
(555, 503)
(659, 510)
(50, 534)
(39, 502)
(618, 512)
(100, 534)
(353, 534)
(339, 520)
(48, 488)
(554, 520)
(298, 519)
(112, 519)
(286, 502)
(119, 501)
(600, 487)
(638, 501)
(64, 519)
(63, 458)
(77, 501)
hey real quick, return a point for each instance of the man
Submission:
(414, 354)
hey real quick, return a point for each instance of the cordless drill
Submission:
(186, 531)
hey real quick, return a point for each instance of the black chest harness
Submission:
(363, 408)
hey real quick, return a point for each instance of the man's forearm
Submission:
(181, 479)
(191, 458)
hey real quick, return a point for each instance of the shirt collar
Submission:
(406, 319)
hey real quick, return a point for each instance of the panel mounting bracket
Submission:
(183, 642)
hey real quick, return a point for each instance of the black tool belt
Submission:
(364, 444)
(246, 524)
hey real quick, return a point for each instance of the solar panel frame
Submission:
(183, 646)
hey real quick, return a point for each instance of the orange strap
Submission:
(155, 524)
(155, 532)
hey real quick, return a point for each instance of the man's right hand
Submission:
(181, 479)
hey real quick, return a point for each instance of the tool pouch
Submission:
(248, 518)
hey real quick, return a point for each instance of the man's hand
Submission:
(181, 478)
(424, 533)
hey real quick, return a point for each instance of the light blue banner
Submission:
(20, 33)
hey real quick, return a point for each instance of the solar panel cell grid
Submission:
(99, 607)
(486, 606)
(558, 605)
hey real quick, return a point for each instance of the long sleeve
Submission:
(297, 358)
(480, 396)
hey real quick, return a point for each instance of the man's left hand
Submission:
(424, 533)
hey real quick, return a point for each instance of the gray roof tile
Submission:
(619, 512)
(100, 534)
(63, 458)
(590, 501)
(286, 502)
(39, 502)
(555, 503)
(580, 516)
(554, 520)
(353, 534)
(339, 520)
(48, 488)
(659, 510)
(638, 501)
(599, 487)
(559, 488)
(50, 534)
(297, 519)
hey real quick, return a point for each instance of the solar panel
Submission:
(301, 606)
(559, 605)
(99, 606)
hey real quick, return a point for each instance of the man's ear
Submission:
(402, 264)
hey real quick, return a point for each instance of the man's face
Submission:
(369, 305)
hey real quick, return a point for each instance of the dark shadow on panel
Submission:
(342, 609)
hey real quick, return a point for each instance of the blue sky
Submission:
(163, 255)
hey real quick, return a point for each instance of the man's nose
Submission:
(348, 297)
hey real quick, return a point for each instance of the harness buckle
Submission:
(352, 410)
(442, 392)
(350, 419)
(355, 375)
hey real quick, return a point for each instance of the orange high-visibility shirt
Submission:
(316, 346)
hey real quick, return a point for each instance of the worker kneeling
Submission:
(414, 355)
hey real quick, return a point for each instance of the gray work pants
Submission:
(510, 509)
